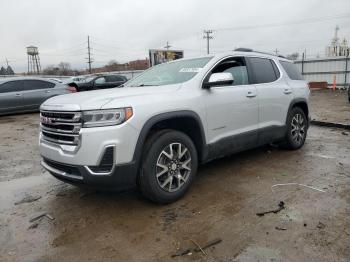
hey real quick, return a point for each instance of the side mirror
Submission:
(219, 79)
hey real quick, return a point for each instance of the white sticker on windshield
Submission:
(190, 69)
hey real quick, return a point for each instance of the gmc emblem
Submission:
(46, 120)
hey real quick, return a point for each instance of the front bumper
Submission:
(102, 158)
(92, 142)
(122, 176)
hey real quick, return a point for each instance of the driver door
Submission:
(232, 110)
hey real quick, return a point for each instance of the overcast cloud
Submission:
(124, 30)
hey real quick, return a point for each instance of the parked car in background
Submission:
(21, 94)
(56, 80)
(99, 82)
(75, 79)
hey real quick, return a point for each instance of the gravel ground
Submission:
(330, 106)
(222, 203)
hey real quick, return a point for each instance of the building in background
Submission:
(337, 47)
(332, 69)
(139, 64)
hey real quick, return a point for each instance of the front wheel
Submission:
(169, 166)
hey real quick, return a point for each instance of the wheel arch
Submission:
(185, 121)
(301, 103)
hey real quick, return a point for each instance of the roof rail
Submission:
(243, 49)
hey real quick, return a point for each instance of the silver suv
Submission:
(155, 131)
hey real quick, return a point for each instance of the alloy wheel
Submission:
(173, 167)
(298, 128)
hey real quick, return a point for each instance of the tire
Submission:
(297, 125)
(166, 175)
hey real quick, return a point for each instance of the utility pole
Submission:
(276, 51)
(167, 45)
(89, 55)
(302, 64)
(207, 35)
(7, 62)
(346, 70)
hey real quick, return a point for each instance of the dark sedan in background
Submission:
(99, 82)
(23, 94)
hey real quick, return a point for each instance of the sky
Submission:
(125, 30)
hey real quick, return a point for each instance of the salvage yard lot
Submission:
(222, 203)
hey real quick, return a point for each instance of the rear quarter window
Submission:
(291, 70)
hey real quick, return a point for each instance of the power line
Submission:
(207, 35)
(66, 50)
(295, 22)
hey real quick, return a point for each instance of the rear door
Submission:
(11, 99)
(36, 92)
(275, 96)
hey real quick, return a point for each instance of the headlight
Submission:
(108, 117)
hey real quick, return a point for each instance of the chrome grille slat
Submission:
(57, 141)
(58, 130)
(61, 127)
(59, 133)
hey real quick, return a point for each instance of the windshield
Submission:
(170, 73)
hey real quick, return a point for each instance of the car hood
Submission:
(93, 100)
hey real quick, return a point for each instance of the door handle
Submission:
(18, 94)
(251, 94)
(287, 91)
(47, 91)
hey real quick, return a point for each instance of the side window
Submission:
(263, 70)
(36, 84)
(237, 68)
(119, 78)
(109, 79)
(114, 78)
(100, 80)
(11, 86)
(291, 70)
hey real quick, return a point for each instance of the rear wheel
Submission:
(169, 166)
(296, 129)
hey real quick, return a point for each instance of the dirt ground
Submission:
(85, 225)
(330, 106)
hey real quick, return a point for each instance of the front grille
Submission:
(61, 127)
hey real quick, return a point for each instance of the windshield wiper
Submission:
(145, 85)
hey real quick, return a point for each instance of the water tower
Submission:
(33, 60)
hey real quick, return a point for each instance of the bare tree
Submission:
(293, 56)
(64, 68)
